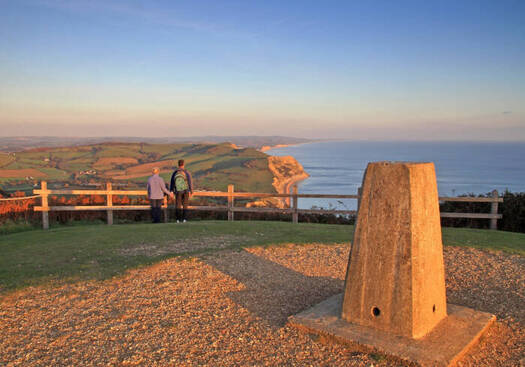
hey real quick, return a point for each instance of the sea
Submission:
(337, 167)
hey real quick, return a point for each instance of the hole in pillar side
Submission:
(434, 308)
(376, 311)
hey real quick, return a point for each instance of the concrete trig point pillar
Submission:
(394, 299)
(395, 279)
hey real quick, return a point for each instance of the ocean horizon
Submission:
(337, 167)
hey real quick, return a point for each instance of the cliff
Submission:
(265, 148)
(286, 172)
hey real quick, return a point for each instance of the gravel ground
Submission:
(230, 308)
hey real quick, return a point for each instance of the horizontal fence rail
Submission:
(293, 198)
(493, 215)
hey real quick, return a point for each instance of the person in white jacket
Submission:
(156, 191)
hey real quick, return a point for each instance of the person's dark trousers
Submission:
(181, 204)
(155, 209)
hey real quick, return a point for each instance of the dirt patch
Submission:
(230, 308)
(21, 173)
(183, 246)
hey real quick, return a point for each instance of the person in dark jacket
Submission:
(156, 191)
(182, 186)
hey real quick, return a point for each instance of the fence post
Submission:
(45, 205)
(230, 203)
(295, 214)
(494, 210)
(165, 209)
(109, 202)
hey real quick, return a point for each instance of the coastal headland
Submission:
(266, 148)
(287, 172)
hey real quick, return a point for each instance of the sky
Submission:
(367, 70)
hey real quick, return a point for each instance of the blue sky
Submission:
(416, 70)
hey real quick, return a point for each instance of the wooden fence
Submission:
(293, 209)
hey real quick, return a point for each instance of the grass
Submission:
(96, 251)
(9, 227)
(510, 242)
(213, 166)
(5, 159)
(101, 251)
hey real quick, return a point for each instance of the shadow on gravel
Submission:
(272, 291)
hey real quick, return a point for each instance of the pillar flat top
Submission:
(408, 163)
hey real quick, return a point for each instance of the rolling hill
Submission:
(20, 143)
(213, 166)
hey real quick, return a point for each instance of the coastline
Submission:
(337, 167)
(266, 148)
(287, 171)
(283, 183)
(293, 181)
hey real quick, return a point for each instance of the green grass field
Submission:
(5, 159)
(213, 166)
(101, 251)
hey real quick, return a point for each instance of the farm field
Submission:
(213, 166)
(24, 172)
